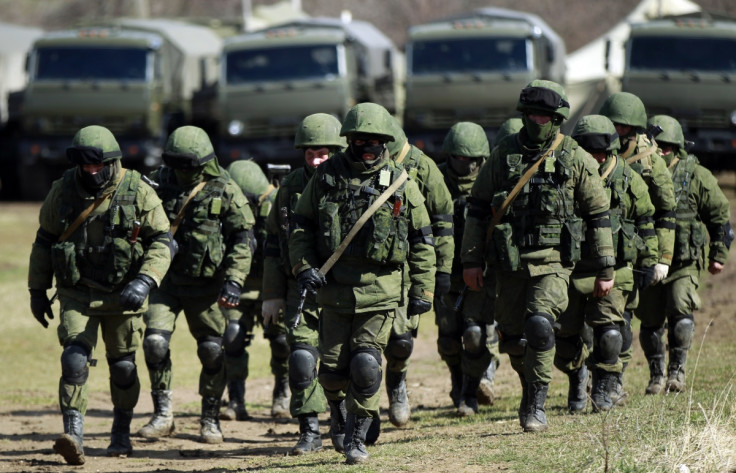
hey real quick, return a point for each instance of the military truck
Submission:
(471, 67)
(272, 78)
(134, 76)
(685, 66)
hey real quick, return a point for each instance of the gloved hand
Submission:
(660, 272)
(311, 279)
(418, 306)
(230, 294)
(646, 277)
(41, 306)
(135, 292)
(270, 310)
(441, 284)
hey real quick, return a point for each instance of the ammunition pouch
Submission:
(64, 263)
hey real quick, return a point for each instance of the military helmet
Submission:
(319, 130)
(93, 144)
(596, 133)
(466, 139)
(368, 119)
(671, 130)
(544, 96)
(188, 147)
(625, 108)
(249, 176)
(395, 146)
(509, 127)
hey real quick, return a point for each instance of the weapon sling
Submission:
(180, 216)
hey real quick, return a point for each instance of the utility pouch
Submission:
(629, 243)
(507, 251)
(571, 240)
(330, 236)
(64, 263)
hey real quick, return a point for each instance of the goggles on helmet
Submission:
(540, 97)
(89, 155)
(185, 160)
(596, 141)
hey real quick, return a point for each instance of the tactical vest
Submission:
(543, 213)
(459, 187)
(690, 232)
(201, 244)
(258, 233)
(384, 237)
(118, 259)
(626, 241)
(292, 186)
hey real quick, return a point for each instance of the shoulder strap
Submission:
(85, 213)
(404, 151)
(361, 221)
(498, 215)
(180, 215)
(644, 154)
(608, 171)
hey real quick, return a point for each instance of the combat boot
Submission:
(577, 395)
(602, 386)
(235, 409)
(356, 429)
(309, 437)
(162, 420)
(469, 401)
(536, 418)
(618, 393)
(656, 375)
(485, 392)
(209, 422)
(676, 370)
(338, 415)
(69, 444)
(456, 378)
(120, 437)
(399, 410)
(281, 398)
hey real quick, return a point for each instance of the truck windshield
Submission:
(287, 63)
(108, 63)
(683, 53)
(469, 55)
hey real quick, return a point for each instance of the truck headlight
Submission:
(235, 128)
(733, 117)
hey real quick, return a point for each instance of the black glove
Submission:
(135, 292)
(441, 284)
(311, 280)
(418, 306)
(646, 277)
(41, 306)
(230, 292)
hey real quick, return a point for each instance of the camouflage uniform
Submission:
(307, 396)
(624, 108)
(241, 320)
(211, 265)
(701, 207)
(466, 340)
(423, 170)
(360, 295)
(536, 242)
(103, 270)
(634, 240)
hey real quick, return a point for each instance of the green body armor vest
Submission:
(690, 232)
(101, 253)
(626, 241)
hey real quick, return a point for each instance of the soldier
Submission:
(701, 207)
(261, 194)
(463, 321)
(509, 127)
(525, 222)
(211, 222)
(318, 136)
(639, 150)
(634, 239)
(105, 237)
(423, 170)
(334, 228)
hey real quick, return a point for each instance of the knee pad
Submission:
(513, 345)
(587, 336)
(331, 379)
(568, 348)
(400, 347)
(540, 334)
(608, 342)
(74, 369)
(209, 351)
(681, 330)
(651, 341)
(279, 347)
(156, 348)
(235, 338)
(302, 366)
(474, 339)
(365, 371)
(123, 370)
(449, 346)
(627, 335)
